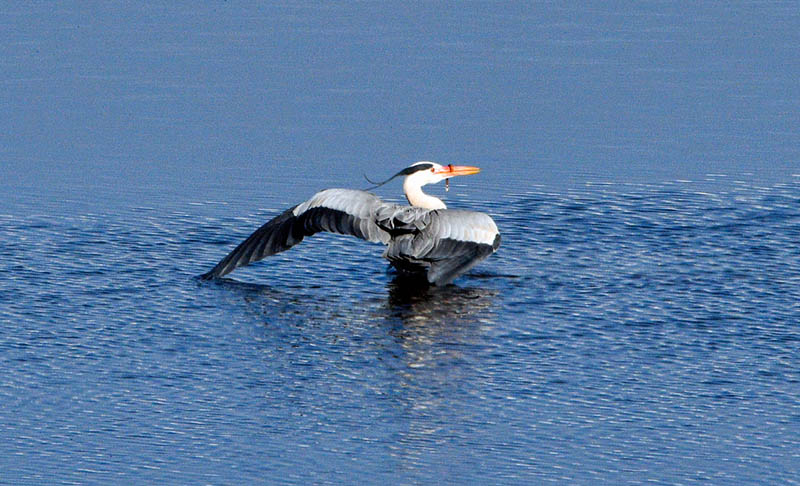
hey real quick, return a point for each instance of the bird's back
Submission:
(440, 244)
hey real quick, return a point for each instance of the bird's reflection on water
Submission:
(416, 311)
(425, 337)
(417, 348)
(406, 305)
(413, 314)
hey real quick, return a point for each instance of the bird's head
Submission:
(422, 173)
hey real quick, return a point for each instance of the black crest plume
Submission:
(407, 171)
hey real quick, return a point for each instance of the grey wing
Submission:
(342, 211)
(449, 244)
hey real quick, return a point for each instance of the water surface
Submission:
(638, 325)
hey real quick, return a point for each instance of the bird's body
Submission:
(424, 239)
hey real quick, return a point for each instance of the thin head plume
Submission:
(376, 185)
(404, 172)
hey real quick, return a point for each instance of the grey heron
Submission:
(424, 239)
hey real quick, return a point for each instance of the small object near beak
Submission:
(446, 185)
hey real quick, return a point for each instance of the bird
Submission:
(424, 240)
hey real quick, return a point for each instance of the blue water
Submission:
(639, 323)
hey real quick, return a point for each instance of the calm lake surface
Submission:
(639, 324)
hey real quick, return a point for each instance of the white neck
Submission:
(418, 198)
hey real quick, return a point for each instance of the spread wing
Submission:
(343, 211)
(442, 243)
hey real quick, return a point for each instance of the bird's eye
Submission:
(433, 170)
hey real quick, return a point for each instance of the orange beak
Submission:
(456, 170)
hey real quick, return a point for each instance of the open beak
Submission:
(451, 170)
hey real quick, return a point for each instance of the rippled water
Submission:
(621, 333)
